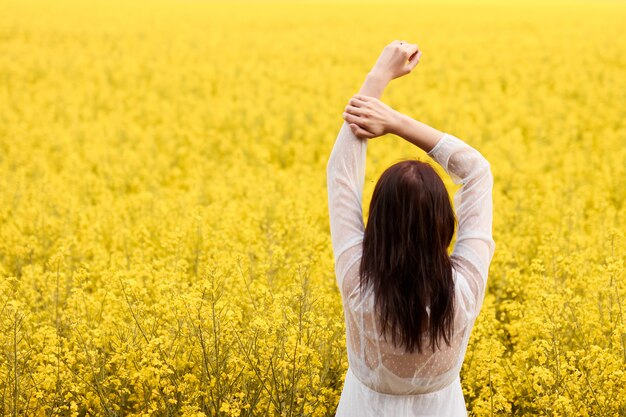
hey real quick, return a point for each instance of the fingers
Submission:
(359, 132)
(352, 115)
(351, 118)
(358, 100)
(415, 60)
(353, 122)
(357, 111)
(412, 48)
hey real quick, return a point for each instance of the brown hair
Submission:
(405, 254)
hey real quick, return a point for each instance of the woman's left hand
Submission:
(397, 59)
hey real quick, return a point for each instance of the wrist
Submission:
(396, 121)
(374, 85)
(379, 76)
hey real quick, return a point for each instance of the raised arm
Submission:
(345, 177)
(474, 246)
(345, 170)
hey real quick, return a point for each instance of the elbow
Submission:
(492, 249)
(329, 171)
(485, 169)
(330, 163)
(480, 171)
(488, 171)
(333, 167)
(484, 163)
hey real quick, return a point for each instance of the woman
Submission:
(409, 306)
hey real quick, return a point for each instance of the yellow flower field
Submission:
(164, 236)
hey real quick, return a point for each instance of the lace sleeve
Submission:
(345, 176)
(474, 246)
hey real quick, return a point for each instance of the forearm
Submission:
(416, 132)
(374, 84)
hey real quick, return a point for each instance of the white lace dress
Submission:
(382, 380)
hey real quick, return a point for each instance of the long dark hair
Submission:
(405, 255)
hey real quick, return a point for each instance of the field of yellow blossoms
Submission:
(164, 236)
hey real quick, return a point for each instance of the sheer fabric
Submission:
(382, 380)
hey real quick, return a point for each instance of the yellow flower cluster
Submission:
(164, 238)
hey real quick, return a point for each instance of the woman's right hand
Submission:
(368, 117)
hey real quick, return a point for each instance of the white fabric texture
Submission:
(382, 380)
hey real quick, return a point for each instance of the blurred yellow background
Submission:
(164, 238)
